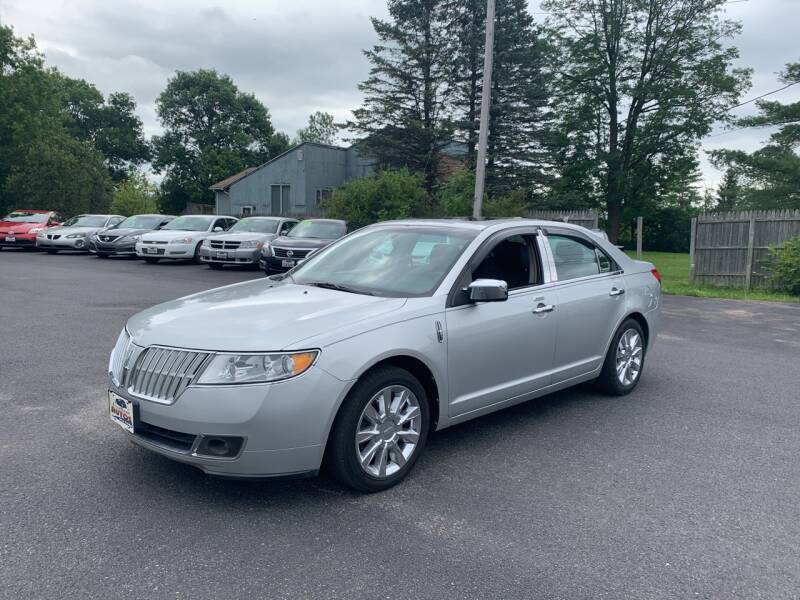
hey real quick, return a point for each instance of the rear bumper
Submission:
(246, 256)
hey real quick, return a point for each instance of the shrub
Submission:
(390, 194)
(135, 196)
(456, 194)
(784, 265)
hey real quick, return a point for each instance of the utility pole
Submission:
(486, 100)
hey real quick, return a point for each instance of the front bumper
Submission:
(239, 256)
(63, 243)
(277, 265)
(285, 425)
(173, 251)
(111, 248)
(21, 240)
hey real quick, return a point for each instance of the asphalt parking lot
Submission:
(688, 488)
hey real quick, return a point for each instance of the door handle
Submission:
(544, 308)
(616, 292)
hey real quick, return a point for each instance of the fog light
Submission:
(219, 446)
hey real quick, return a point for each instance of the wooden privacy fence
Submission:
(729, 249)
(584, 218)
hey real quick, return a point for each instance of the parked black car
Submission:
(308, 236)
(121, 239)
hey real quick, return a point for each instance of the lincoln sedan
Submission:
(351, 360)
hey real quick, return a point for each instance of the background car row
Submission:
(275, 244)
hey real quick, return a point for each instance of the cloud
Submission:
(300, 56)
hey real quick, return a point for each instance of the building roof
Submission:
(229, 181)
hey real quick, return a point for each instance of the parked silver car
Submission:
(181, 238)
(242, 243)
(74, 233)
(399, 329)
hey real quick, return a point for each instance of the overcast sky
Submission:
(299, 56)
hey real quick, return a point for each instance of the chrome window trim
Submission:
(579, 235)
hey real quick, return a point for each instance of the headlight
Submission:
(37, 229)
(251, 244)
(42, 233)
(132, 238)
(184, 240)
(256, 368)
(76, 235)
(206, 243)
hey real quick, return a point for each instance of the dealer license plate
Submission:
(151, 250)
(287, 263)
(121, 411)
(221, 255)
(11, 238)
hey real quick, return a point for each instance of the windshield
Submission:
(190, 223)
(141, 222)
(396, 262)
(86, 221)
(21, 216)
(255, 226)
(324, 230)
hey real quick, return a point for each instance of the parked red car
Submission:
(19, 229)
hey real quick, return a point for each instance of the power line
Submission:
(788, 85)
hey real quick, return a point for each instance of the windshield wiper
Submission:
(338, 286)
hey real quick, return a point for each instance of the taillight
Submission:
(656, 274)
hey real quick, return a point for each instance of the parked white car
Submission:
(181, 239)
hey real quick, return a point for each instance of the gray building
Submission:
(291, 184)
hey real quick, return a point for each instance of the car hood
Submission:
(121, 233)
(172, 234)
(298, 242)
(13, 227)
(254, 316)
(71, 230)
(243, 236)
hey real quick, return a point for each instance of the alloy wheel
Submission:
(629, 357)
(388, 431)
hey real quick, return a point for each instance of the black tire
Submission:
(51, 251)
(608, 380)
(215, 266)
(340, 456)
(196, 260)
(150, 260)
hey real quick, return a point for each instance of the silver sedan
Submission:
(351, 360)
(242, 243)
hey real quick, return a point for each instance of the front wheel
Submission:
(380, 431)
(624, 362)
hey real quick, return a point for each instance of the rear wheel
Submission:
(624, 362)
(380, 431)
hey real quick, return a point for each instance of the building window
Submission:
(279, 195)
(247, 211)
(323, 194)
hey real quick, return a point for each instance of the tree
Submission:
(650, 77)
(389, 194)
(729, 192)
(770, 176)
(320, 129)
(211, 131)
(58, 172)
(111, 125)
(405, 117)
(518, 119)
(135, 196)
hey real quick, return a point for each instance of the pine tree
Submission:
(404, 118)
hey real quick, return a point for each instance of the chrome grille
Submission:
(296, 253)
(224, 245)
(161, 374)
(107, 238)
(51, 236)
(152, 242)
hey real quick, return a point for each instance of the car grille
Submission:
(107, 238)
(224, 245)
(53, 236)
(152, 242)
(161, 374)
(295, 253)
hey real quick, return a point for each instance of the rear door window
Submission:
(575, 258)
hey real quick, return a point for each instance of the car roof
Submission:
(326, 220)
(480, 225)
(152, 215)
(32, 211)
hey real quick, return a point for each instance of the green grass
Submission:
(674, 270)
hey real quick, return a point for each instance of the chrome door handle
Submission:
(544, 308)
(616, 292)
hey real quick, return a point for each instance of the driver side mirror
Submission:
(488, 290)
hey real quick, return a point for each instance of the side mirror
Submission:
(217, 229)
(488, 290)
